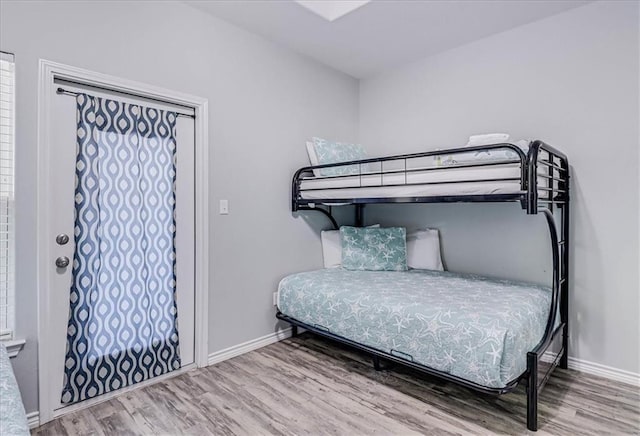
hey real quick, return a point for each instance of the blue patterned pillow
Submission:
(374, 249)
(328, 152)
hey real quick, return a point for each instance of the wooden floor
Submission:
(307, 385)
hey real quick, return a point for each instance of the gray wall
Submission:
(571, 80)
(264, 101)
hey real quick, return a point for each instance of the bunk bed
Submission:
(535, 176)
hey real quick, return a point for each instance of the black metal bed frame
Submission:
(544, 184)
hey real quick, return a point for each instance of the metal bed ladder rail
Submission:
(555, 200)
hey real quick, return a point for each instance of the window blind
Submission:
(7, 146)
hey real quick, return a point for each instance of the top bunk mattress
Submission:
(501, 178)
(469, 326)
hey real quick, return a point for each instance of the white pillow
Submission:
(332, 247)
(423, 250)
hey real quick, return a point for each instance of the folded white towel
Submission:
(487, 138)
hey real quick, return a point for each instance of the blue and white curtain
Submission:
(123, 319)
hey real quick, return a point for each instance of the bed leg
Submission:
(532, 392)
(376, 363)
(359, 215)
(564, 294)
(294, 331)
(564, 358)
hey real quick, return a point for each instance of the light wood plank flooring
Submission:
(308, 385)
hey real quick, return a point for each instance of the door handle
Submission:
(62, 262)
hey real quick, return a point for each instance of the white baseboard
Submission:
(598, 369)
(33, 419)
(605, 371)
(251, 345)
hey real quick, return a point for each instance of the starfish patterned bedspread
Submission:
(13, 420)
(473, 327)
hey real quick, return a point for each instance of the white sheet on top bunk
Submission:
(416, 183)
(414, 191)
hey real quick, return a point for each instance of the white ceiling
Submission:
(381, 34)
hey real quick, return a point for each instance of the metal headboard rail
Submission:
(555, 175)
(556, 199)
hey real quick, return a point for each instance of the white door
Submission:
(61, 198)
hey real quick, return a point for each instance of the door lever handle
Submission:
(62, 262)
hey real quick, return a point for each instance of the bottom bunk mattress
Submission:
(469, 326)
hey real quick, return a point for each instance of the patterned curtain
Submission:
(123, 318)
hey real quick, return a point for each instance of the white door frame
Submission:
(50, 71)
